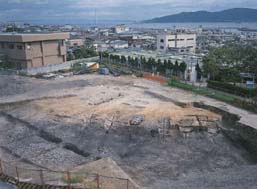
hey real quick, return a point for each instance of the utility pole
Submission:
(95, 18)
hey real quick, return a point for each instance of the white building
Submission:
(67, 27)
(180, 42)
(100, 46)
(121, 28)
(119, 44)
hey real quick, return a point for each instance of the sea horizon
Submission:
(135, 24)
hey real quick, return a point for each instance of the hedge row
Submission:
(233, 89)
(230, 99)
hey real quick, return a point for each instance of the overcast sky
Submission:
(135, 10)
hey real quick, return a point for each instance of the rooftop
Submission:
(155, 54)
(30, 37)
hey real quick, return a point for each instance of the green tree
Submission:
(136, 62)
(226, 63)
(198, 71)
(129, 61)
(70, 56)
(170, 65)
(210, 67)
(176, 68)
(182, 67)
(105, 55)
(143, 63)
(123, 59)
(85, 53)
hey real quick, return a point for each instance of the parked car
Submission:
(104, 71)
(116, 73)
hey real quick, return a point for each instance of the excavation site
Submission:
(96, 131)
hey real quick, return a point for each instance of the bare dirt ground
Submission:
(59, 125)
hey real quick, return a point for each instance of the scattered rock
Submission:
(199, 123)
(212, 128)
(137, 120)
(186, 129)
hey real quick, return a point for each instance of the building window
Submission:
(171, 40)
(11, 46)
(2, 45)
(20, 47)
(190, 39)
(162, 40)
(161, 47)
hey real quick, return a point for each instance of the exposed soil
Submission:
(63, 124)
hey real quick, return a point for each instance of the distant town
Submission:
(175, 44)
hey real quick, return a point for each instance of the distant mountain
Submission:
(230, 15)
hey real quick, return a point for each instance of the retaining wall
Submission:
(8, 72)
(56, 67)
(237, 132)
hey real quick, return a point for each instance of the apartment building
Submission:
(26, 51)
(179, 42)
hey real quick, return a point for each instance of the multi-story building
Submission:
(26, 51)
(121, 28)
(179, 42)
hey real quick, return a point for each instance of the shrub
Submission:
(230, 99)
(175, 78)
(227, 87)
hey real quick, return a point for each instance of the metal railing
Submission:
(60, 179)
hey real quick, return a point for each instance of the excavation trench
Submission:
(239, 134)
(49, 137)
(142, 151)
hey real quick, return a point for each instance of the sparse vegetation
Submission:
(74, 178)
(5, 64)
(218, 95)
(234, 89)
